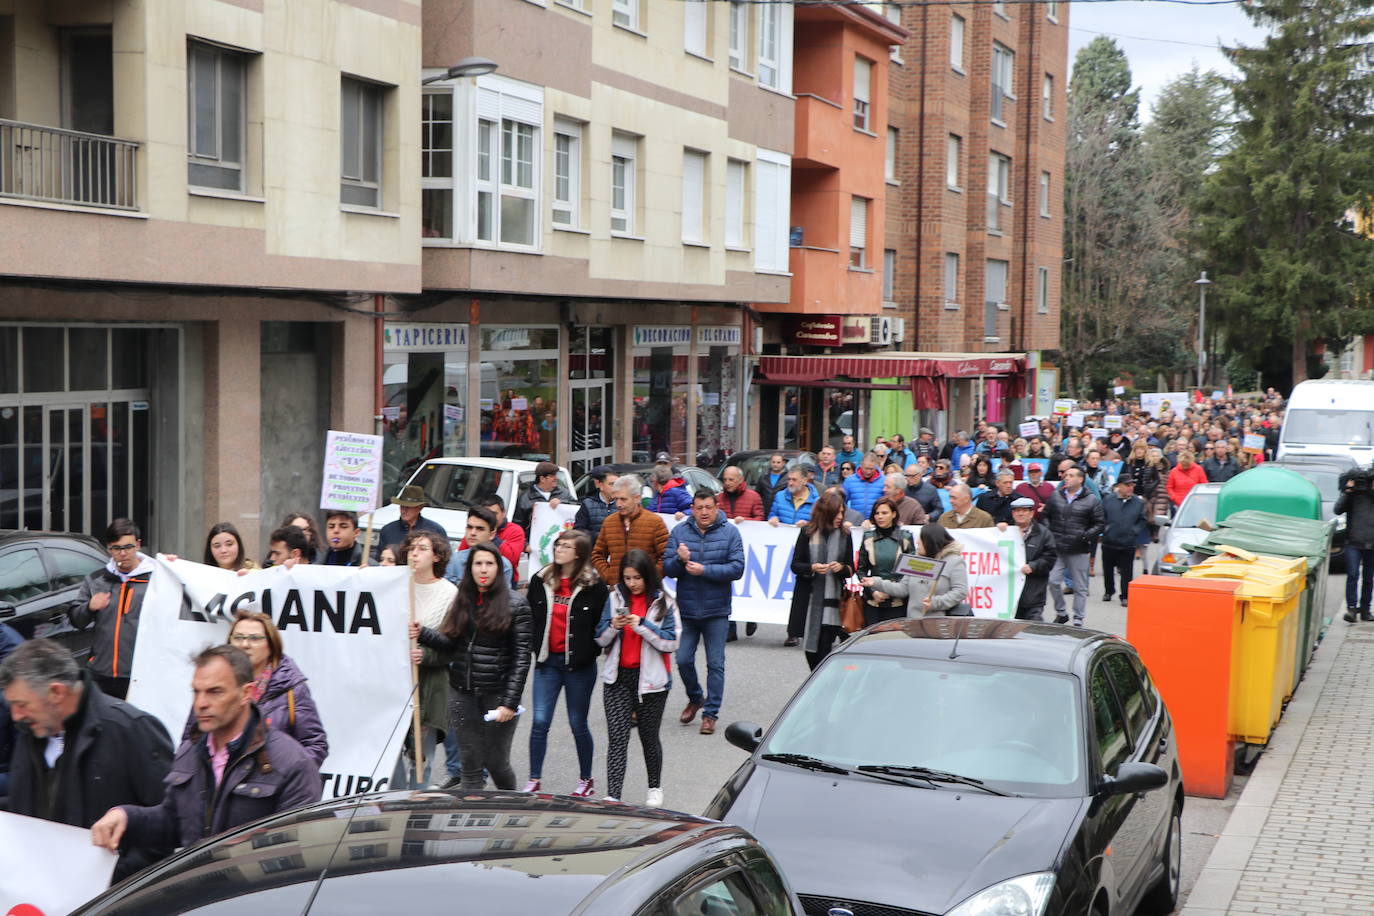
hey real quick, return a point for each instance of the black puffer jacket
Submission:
(588, 600)
(495, 663)
(1147, 479)
(1075, 525)
(1358, 508)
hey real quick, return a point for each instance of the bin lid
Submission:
(1295, 565)
(1273, 489)
(1256, 580)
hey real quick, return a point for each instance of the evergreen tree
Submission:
(1280, 212)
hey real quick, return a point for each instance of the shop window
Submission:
(425, 391)
(717, 394)
(519, 392)
(660, 392)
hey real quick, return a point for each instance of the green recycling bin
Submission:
(1270, 489)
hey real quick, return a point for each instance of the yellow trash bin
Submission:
(1262, 677)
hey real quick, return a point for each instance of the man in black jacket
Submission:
(78, 751)
(111, 600)
(1040, 558)
(1076, 521)
(599, 504)
(1127, 529)
(1356, 503)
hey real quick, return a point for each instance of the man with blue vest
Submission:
(793, 505)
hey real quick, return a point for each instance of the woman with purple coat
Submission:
(278, 685)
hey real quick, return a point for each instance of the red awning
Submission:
(823, 368)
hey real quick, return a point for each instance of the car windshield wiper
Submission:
(825, 766)
(807, 763)
(932, 775)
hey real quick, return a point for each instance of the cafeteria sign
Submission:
(352, 471)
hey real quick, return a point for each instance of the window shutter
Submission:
(694, 26)
(858, 223)
(734, 203)
(766, 215)
(693, 182)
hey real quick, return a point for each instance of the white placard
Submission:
(519, 404)
(50, 868)
(1029, 429)
(545, 525)
(1112, 422)
(1076, 419)
(352, 471)
(344, 627)
(1156, 403)
(1119, 390)
(1063, 407)
(1097, 433)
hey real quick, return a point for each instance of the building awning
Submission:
(785, 369)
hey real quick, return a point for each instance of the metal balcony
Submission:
(54, 165)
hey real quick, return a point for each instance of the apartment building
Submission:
(192, 195)
(975, 212)
(191, 292)
(595, 215)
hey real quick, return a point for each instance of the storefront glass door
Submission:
(591, 354)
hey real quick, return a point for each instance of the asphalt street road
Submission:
(761, 675)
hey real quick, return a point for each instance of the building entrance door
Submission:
(591, 354)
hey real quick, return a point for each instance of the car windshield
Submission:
(1016, 730)
(1195, 508)
(1329, 427)
(1327, 478)
(457, 486)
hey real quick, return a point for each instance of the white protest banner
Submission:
(352, 471)
(545, 525)
(1156, 403)
(1063, 407)
(1112, 421)
(1028, 429)
(1111, 471)
(764, 593)
(50, 868)
(344, 627)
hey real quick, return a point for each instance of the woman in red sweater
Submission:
(1186, 475)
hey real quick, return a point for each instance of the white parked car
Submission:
(1200, 504)
(454, 485)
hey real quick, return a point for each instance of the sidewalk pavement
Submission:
(1299, 838)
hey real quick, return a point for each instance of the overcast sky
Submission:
(1162, 40)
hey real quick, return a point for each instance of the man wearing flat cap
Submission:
(1040, 557)
(1128, 527)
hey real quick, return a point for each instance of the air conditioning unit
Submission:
(898, 330)
(881, 333)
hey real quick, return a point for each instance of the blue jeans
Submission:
(1359, 574)
(550, 678)
(712, 631)
(453, 758)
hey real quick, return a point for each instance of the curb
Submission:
(1216, 884)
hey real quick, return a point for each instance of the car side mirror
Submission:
(744, 735)
(1134, 777)
(1163, 521)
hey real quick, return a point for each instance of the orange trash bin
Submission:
(1187, 632)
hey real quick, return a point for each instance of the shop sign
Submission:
(646, 335)
(424, 338)
(858, 330)
(815, 331)
(720, 335)
(970, 368)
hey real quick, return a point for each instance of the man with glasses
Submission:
(919, 489)
(111, 598)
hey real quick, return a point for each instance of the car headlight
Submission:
(1023, 896)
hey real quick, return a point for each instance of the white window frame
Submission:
(231, 163)
(369, 176)
(1045, 194)
(958, 30)
(1002, 85)
(739, 35)
(889, 275)
(893, 12)
(736, 203)
(1047, 97)
(1000, 8)
(696, 166)
(774, 66)
(1052, 10)
(696, 28)
(993, 307)
(1042, 290)
(954, 162)
(863, 93)
(625, 14)
(999, 190)
(624, 181)
(566, 212)
(890, 162)
(440, 182)
(772, 211)
(951, 279)
(860, 228)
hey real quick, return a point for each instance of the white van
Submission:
(1330, 417)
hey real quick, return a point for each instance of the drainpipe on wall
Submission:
(1018, 340)
(379, 307)
(920, 178)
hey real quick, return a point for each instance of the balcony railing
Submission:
(60, 166)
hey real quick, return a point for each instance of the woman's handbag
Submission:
(852, 609)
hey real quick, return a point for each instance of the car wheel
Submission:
(1162, 898)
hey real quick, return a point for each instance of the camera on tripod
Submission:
(1358, 480)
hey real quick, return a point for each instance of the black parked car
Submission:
(489, 852)
(40, 573)
(695, 478)
(956, 765)
(1325, 472)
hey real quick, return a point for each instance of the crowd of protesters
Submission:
(1076, 487)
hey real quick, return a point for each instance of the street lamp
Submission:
(468, 66)
(1201, 283)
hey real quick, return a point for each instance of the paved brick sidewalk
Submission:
(1299, 839)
